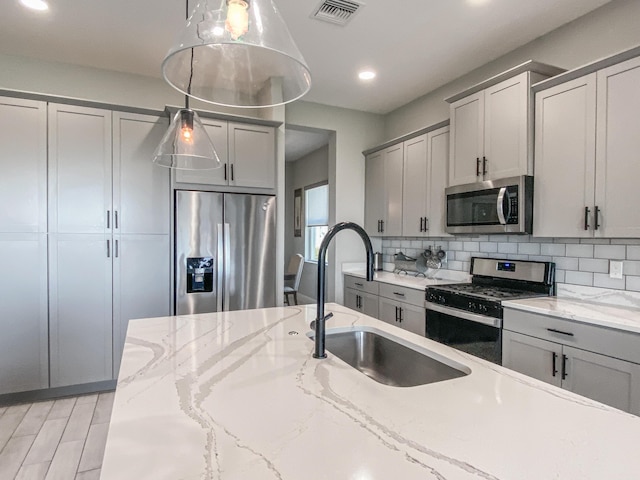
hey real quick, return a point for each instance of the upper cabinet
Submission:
(404, 186)
(247, 153)
(425, 175)
(383, 192)
(492, 126)
(586, 166)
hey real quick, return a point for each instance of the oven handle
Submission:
(500, 206)
(473, 317)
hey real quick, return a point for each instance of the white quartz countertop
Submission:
(409, 281)
(236, 395)
(584, 311)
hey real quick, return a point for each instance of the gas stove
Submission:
(494, 281)
(468, 316)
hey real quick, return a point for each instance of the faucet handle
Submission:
(328, 316)
(312, 325)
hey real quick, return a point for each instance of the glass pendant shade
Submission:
(186, 145)
(237, 53)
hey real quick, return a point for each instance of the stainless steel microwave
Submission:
(497, 206)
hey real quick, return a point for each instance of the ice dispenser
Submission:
(199, 274)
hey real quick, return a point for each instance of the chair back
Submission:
(295, 268)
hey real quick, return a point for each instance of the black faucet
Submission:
(322, 255)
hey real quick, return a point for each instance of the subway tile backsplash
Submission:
(579, 261)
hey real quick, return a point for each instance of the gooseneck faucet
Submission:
(322, 255)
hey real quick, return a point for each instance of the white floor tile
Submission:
(94, 447)
(65, 462)
(78, 425)
(13, 455)
(8, 424)
(102, 413)
(93, 398)
(62, 408)
(34, 419)
(46, 443)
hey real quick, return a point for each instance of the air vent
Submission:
(339, 12)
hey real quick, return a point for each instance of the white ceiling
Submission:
(414, 45)
(301, 142)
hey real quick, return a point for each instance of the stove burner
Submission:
(487, 292)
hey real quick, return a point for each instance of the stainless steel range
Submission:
(468, 316)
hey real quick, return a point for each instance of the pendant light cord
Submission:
(186, 14)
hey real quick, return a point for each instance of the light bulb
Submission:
(186, 126)
(237, 23)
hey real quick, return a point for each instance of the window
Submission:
(316, 201)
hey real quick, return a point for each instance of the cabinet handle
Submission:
(554, 369)
(553, 330)
(108, 249)
(426, 224)
(400, 308)
(116, 249)
(396, 314)
(359, 284)
(381, 226)
(359, 301)
(484, 165)
(597, 217)
(477, 166)
(564, 367)
(399, 294)
(225, 171)
(421, 227)
(586, 218)
(378, 226)
(115, 218)
(232, 179)
(108, 218)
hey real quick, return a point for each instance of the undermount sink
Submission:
(387, 361)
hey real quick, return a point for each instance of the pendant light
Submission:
(186, 145)
(237, 53)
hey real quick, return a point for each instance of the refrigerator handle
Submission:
(227, 269)
(220, 267)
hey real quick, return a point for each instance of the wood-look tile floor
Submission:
(55, 440)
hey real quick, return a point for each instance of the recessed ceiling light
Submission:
(477, 2)
(35, 4)
(367, 75)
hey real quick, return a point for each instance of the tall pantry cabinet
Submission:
(109, 237)
(24, 336)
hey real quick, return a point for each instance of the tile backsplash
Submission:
(578, 261)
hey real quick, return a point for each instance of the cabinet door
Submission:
(351, 299)
(366, 303)
(393, 163)
(604, 379)
(467, 138)
(618, 144)
(23, 183)
(374, 208)
(415, 187)
(24, 329)
(534, 357)
(413, 319)
(141, 190)
(252, 156)
(141, 284)
(506, 127)
(389, 311)
(80, 308)
(79, 169)
(565, 135)
(218, 134)
(438, 161)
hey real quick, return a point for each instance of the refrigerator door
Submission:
(250, 251)
(198, 243)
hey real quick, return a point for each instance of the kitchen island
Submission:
(237, 395)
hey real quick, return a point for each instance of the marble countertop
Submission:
(237, 395)
(584, 311)
(442, 277)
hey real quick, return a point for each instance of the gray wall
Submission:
(601, 33)
(308, 170)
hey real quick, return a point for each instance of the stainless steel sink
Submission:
(389, 362)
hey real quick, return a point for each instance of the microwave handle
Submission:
(500, 206)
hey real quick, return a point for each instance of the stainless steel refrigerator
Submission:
(225, 247)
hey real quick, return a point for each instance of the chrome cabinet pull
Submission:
(108, 218)
(108, 249)
(116, 249)
(500, 206)
(115, 218)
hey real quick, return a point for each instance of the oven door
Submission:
(471, 333)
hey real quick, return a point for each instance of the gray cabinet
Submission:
(576, 357)
(246, 151)
(383, 192)
(105, 157)
(425, 176)
(366, 303)
(585, 132)
(404, 315)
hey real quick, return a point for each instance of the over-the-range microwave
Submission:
(496, 206)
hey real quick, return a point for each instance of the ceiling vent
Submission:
(339, 12)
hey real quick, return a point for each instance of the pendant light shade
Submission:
(237, 53)
(186, 145)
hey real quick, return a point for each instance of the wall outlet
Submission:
(615, 268)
